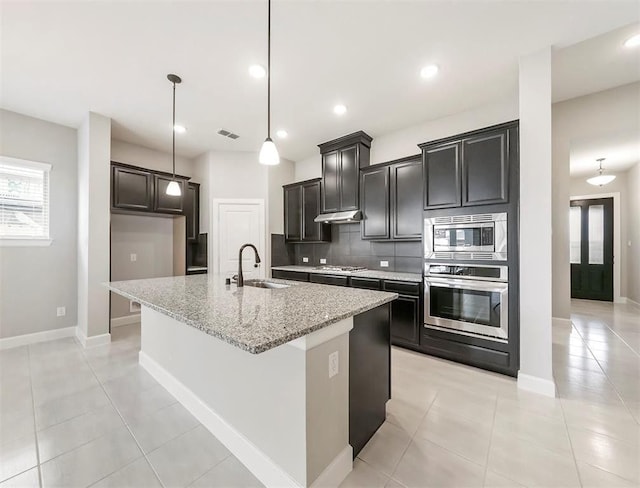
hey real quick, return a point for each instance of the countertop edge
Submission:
(370, 273)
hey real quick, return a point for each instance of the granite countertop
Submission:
(368, 273)
(253, 319)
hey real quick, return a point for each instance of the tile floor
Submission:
(72, 417)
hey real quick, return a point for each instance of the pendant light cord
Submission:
(269, 71)
(173, 131)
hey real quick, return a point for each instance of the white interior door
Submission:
(238, 222)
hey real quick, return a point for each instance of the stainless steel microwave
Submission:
(468, 237)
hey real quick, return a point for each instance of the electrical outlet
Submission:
(334, 364)
(134, 257)
(61, 311)
(323, 261)
(384, 264)
(305, 260)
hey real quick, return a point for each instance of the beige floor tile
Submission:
(548, 432)
(228, 473)
(393, 484)
(17, 455)
(615, 421)
(385, 448)
(425, 464)
(137, 474)
(593, 477)
(364, 476)
(28, 479)
(405, 415)
(495, 480)
(167, 423)
(70, 406)
(469, 405)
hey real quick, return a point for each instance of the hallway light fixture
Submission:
(269, 153)
(601, 179)
(173, 188)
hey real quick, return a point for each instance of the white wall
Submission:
(125, 152)
(36, 280)
(633, 234)
(277, 176)
(592, 116)
(150, 238)
(404, 142)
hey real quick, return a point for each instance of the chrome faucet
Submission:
(240, 277)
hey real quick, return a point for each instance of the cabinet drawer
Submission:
(402, 287)
(289, 275)
(329, 279)
(367, 283)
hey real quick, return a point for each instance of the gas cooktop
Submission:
(329, 267)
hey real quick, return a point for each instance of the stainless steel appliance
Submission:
(467, 299)
(466, 237)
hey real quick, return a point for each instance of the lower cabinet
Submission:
(405, 326)
(329, 279)
(289, 275)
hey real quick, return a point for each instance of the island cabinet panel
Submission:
(330, 181)
(168, 203)
(369, 375)
(485, 169)
(406, 195)
(289, 275)
(442, 175)
(131, 189)
(374, 186)
(192, 211)
(293, 213)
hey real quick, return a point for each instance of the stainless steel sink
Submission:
(265, 284)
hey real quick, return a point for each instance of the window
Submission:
(24, 201)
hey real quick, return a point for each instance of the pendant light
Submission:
(269, 153)
(601, 179)
(173, 188)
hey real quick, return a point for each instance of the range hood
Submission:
(346, 217)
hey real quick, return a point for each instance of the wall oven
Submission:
(467, 237)
(466, 299)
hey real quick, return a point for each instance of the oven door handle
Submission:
(467, 284)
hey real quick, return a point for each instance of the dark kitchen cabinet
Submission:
(168, 203)
(391, 200)
(301, 207)
(284, 274)
(469, 169)
(131, 189)
(405, 313)
(192, 211)
(342, 160)
(329, 279)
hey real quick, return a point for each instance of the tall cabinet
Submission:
(301, 207)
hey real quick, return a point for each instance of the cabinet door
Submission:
(441, 173)
(192, 211)
(349, 178)
(313, 231)
(293, 213)
(329, 279)
(331, 182)
(131, 189)
(406, 208)
(167, 203)
(375, 204)
(289, 275)
(404, 320)
(485, 169)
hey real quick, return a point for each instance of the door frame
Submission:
(214, 249)
(617, 250)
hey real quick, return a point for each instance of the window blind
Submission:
(24, 199)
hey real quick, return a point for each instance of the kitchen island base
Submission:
(279, 412)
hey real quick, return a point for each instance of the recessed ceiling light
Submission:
(339, 109)
(282, 134)
(179, 129)
(633, 41)
(257, 71)
(429, 71)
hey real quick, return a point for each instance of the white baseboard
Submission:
(46, 335)
(93, 341)
(126, 320)
(263, 468)
(620, 300)
(632, 302)
(337, 471)
(535, 384)
(560, 321)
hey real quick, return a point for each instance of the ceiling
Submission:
(621, 151)
(60, 60)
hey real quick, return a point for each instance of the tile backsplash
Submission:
(348, 249)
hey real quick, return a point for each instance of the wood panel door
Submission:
(375, 203)
(406, 191)
(591, 249)
(442, 175)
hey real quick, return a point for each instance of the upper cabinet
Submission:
(342, 160)
(301, 207)
(470, 169)
(192, 211)
(391, 200)
(135, 189)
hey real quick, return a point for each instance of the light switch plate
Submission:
(384, 264)
(323, 261)
(305, 260)
(134, 257)
(61, 311)
(334, 364)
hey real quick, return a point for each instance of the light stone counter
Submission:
(253, 319)
(365, 273)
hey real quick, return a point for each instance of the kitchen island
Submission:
(288, 377)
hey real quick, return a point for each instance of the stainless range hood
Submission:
(346, 217)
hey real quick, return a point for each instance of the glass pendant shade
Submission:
(269, 153)
(601, 180)
(173, 189)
